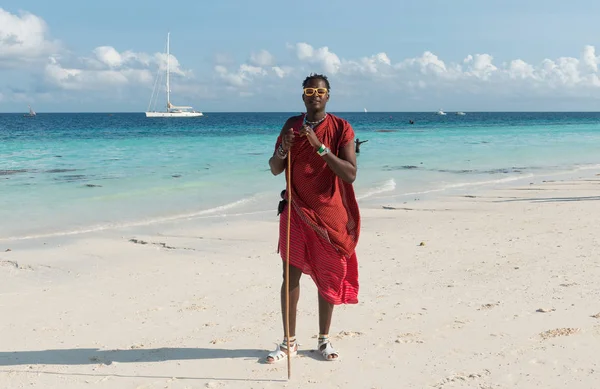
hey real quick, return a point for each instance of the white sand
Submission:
(99, 311)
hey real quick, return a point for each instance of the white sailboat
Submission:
(31, 112)
(172, 110)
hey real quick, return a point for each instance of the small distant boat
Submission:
(460, 113)
(172, 111)
(31, 112)
(365, 110)
(440, 112)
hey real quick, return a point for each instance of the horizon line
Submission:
(205, 112)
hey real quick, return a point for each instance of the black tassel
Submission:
(282, 203)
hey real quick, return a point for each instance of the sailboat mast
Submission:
(168, 85)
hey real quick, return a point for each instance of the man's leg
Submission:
(295, 275)
(294, 289)
(325, 314)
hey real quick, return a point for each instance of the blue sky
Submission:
(252, 56)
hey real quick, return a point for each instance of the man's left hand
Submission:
(310, 135)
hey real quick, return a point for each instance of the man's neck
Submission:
(315, 116)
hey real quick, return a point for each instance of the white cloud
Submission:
(427, 64)
(243, 76)
(322, 56)
(109, 68)
(330, 63)
(23, 39)
(521, 70)
(282, 72)
(420, 78)
(474, 72)
(94, 79)
(589, 59)
(480, 66)
(376, 64)
(161, 60)
(108, 56)
(246, 74)
(262, 58)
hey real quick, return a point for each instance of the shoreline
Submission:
(249, 208)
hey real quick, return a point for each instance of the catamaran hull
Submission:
(173, 114)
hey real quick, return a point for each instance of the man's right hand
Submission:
(287, 139)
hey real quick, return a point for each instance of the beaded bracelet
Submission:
(281, 153)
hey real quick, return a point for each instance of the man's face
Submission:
(315, 95)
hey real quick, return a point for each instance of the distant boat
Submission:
(31, 112)
(365, 110)
(440, 112)
(172, 111)
(460, 113)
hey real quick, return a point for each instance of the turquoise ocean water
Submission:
(67, 173)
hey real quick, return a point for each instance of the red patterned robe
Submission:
(325, 220)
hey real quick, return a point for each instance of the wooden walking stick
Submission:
(287, 266)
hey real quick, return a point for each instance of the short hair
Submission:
(315, 76)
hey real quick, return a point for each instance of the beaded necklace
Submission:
(314, 124)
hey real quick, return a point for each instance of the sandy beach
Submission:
(488, 291)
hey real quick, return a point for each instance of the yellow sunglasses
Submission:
(319, 91)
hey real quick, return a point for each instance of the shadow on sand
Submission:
(86, 356)
(90, 356)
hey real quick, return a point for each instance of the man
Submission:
(325, 219)
(358, 143)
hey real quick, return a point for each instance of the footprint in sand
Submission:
(488, 306)
(220, 340)
(411, 315)
(459, 324)
(194, 307)
(569, 284)
(348, 334)
(462, 378)
(559, 332)
(409, 338)
(14, 265)
(345, 334)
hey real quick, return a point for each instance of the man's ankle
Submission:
(292, 340)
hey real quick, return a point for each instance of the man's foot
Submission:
(327, 350)
(281, 352)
